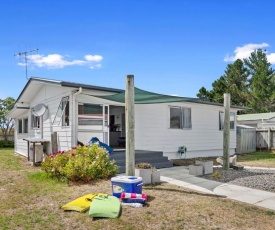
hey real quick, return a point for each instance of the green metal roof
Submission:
(255, 116)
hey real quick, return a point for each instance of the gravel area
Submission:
(263, 179)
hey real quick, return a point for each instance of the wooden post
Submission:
(33, 154)
(54, 142)
(130, 125)
(28, 150)
(269, 139)
(226, 132)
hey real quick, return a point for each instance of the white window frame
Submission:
(20, 126)
(97, 118)
(23, 128)
(63, 110)
(26, 125)
(232, 120)
(66, 111)
(35, 122)
(182, 125)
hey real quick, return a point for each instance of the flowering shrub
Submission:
(82, 163)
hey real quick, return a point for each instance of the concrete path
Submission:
(180, 176)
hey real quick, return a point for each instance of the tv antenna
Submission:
(26, 59)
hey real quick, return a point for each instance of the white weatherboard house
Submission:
(78, 112)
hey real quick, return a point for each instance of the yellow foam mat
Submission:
(81, 204)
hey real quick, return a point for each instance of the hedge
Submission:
(6, 144)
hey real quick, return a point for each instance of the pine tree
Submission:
(234, 81)
(261, 82)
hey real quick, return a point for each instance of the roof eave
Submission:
(219, 104)
(91, 87)
(35, 79)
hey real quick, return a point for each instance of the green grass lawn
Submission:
(257, 159)
(8, 161)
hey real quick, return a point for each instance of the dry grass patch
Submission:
(257, 159)
(29, 200)
(265, 164)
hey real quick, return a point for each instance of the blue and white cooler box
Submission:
(128, 184)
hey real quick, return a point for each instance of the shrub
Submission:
(217, 175)
(143, 165)
(6, 144)
(83, 163)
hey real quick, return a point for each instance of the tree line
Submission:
(250, 82)
(6, 124)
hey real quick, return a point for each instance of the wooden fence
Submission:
(249, 139)
(246, 139)
(10, 137)
(265, 138)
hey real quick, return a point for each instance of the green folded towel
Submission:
(105, 206)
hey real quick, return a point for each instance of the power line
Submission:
(26, 60)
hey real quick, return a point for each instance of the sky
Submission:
(172, 47)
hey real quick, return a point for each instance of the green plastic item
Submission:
(105, 206)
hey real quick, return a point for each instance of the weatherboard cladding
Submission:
(203, 138)
(50, 95)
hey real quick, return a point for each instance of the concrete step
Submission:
(138, 154)
(155, 158)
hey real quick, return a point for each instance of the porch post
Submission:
(130, 125)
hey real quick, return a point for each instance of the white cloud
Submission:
(60, 61)
(96, 66)
(95, 58)
(271, 58)
(245, 51)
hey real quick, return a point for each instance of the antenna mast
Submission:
(26, 60)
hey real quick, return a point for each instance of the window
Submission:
(20, 125)
(221, 120)
(66, 114)
(90, 114)
(23, 125)
(35, 122)
(63, 113)
(180, 118)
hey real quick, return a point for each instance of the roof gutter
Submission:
(74, 117)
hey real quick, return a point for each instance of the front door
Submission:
(93, 121)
